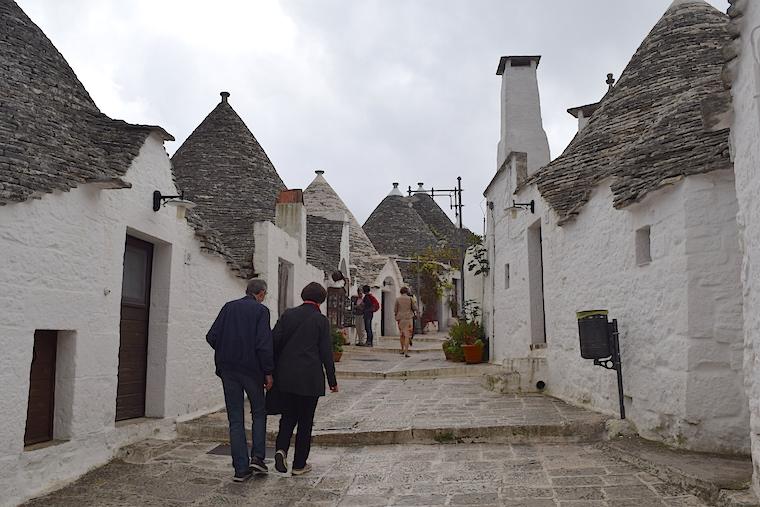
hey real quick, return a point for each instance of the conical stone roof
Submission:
(323, 237)
(648, 131)
(52, 135)
(321, 200)
(225, 171)
(395, 228)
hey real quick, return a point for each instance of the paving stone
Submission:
(419, 500)
(475, 499)
(514, 492)
(579, 493)
(528, 503)
(577, 481)
(628, 491)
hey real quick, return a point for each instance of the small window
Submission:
(643, 246)
(506, 276)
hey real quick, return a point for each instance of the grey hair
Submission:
(255, 285)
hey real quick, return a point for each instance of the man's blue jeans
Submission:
(368, 328)
(235, 384)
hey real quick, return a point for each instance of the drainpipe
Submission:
(491, 272)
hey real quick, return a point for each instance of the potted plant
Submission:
(337, 344)
(467, 334)
(473, 353)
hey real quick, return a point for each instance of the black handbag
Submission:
(274, 401)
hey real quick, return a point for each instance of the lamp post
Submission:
(455, 203)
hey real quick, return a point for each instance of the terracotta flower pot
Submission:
(337, 356)
(447, 353)
(473, 354)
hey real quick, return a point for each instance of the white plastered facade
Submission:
(274, 245)
(745, 150)
(680, 314)
(61, 269)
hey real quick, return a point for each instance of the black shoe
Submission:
(402, 352)
(244, 476)
(258, 465)
(279, 462)
(406, 355)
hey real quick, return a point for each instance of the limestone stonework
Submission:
(637, 216)
(742, 76)
(647, 131)
(60, 139)
(225, 171)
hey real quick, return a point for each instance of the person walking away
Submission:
(304, 356)
(404, 311)
(416, 316)
(361, 335)
(371, 305)
(242, 343)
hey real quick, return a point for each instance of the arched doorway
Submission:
(387, 318)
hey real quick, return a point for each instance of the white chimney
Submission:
(290, 216)
(395, 190)
(521, 127)
(583, 113)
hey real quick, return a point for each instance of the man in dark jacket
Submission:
(242, 343)
(371, 305)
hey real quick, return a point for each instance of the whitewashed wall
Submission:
(507, 311)
(390, 272)
(474, 286)
(273, 244)
(61, 268)
(679, 315)
(745, 140)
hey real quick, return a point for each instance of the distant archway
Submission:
(388, 325)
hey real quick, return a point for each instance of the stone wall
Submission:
(61, 269)
(745, 133)
(679, 313)
(273, 245)
(507, 303)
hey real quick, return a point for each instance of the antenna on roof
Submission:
(225, 96)
(610, 80)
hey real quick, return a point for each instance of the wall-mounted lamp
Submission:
(172, 200)
(522, 205)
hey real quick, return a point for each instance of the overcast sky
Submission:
(371, 91)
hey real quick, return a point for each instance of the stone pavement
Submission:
(461, 445)
(532, 475)
(387, 411)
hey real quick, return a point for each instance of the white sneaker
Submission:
(301, 471)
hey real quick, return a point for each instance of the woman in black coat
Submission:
(303, 349)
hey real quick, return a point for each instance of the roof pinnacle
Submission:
(225, 96)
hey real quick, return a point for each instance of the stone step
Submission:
(456, 370)
(719, 480)
(572, 432)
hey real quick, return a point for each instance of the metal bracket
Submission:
(608, 363)
(613, 363)
(525, 205)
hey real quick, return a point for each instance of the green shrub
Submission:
(337, 340)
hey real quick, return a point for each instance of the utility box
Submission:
(594, 333)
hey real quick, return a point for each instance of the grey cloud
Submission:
(376, 91)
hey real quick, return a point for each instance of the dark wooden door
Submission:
(133, 341)
(39, 412)
(335, 304)
(283, 283)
